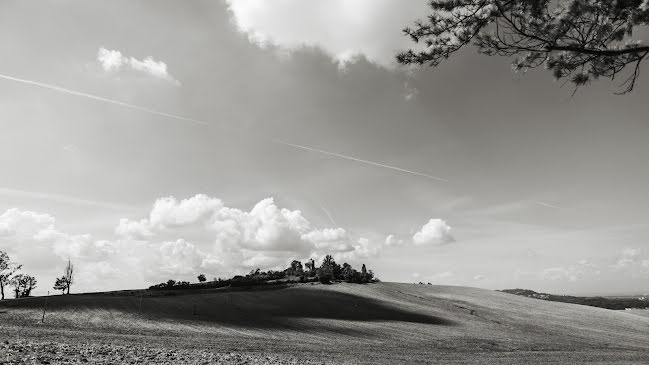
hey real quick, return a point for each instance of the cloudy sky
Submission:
(154, 140)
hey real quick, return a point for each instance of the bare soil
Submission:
(342, 323)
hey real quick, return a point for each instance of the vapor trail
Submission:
(99, 98)
(547, 205)
(331, 219)
(360, 160)
(65, 199)
(204, 123)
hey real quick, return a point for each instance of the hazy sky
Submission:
(536, 189)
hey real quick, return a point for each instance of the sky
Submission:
(146, 141)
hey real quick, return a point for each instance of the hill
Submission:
(374, 323)
(616, 303)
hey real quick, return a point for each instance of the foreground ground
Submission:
(342, 323)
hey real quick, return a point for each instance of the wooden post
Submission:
(139, 311)
(44, 307)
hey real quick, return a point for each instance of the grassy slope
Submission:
(385, 322)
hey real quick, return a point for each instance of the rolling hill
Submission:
(375, 323)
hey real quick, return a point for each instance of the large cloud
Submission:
(112, 61)
(343, 29)
(435, 232)
(233, 240)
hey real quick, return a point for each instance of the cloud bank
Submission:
(112, 61)
(180, 238)
(345, 30)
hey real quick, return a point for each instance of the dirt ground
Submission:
(384, 323)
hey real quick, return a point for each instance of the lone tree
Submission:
(202, 278)
(577, 40)
(60, 284)
(7, 269)
(65, 282)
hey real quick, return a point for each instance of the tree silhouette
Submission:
(328, 261)
(347, 272)
(67, 279)
(60, 284)
(7, 269)
(202, 278)
(576, 40)
(23, 285)
(295, 268)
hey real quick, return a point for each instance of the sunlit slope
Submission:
(415, 319)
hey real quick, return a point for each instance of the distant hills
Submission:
(616, 303)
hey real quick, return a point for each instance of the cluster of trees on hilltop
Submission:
(329, 271)
(23, 284)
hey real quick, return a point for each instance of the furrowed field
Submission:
(313, 323)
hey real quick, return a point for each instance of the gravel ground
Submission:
(31, 352)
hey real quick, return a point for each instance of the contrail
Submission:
(360, 160)
(99, 98)
(331, 219)
(547, 205)
(204, 123)
(65, 199)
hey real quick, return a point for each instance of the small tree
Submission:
(202, 278)
(347, 272)
(16, 282)
(7, 269)
(296, 268)
(65, 282)
(60, 284)
(29, 283)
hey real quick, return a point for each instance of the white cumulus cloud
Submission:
(238, 239)
(392, 240)
(435, 232)
(179, 238)
(112, 61)
(343, 29)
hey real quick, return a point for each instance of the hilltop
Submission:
(372, 323)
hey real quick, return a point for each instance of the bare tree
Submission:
(7, 269)
(69, 275)
(577, 40)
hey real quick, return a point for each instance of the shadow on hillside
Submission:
(255, 309)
